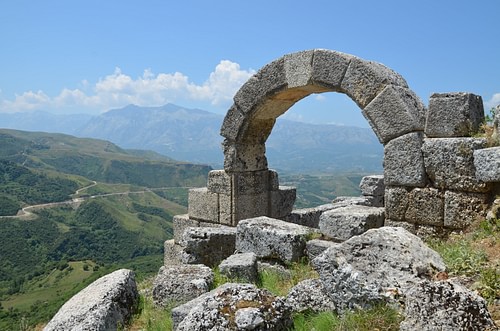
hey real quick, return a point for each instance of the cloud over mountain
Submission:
(119, 89)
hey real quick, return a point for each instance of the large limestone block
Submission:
(282, 201)
(219, 181)
(454, 115)
(244, 157)
(269, 79)
(242, 267)
(404, 162)
(180, 223)
(372, 185)
(172, 253)
(298, 68)
(461, 209)
(308, 216)
(329, 68)
(203, 205)
(396, 202)
(181, 283)
(106, 304)
(234, 307)
(487, 164)
(364, 80)
(425, 206)
(207, 245)
(449, 163)
(272, 238)
(367, 269)
(346, 222)
(446, 306)
(255, 182)
(394, 112)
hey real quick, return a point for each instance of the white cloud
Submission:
(119, 89)
(493, 102)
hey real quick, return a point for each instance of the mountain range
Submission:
(192, 135)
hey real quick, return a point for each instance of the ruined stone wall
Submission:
(436, 173)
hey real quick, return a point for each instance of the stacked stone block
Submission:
(431, 176)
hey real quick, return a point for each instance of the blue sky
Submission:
(91, 56)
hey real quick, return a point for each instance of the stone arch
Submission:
(383, 96)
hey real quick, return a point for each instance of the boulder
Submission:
(106, 304)
(236, 307)
(242, 267)
(181, 283)
(372, 185)
(272, 238)
(315, 247)
(346, 222)
(445, 306)
(309, 295)
(371, 267)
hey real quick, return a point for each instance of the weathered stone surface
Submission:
(329, 68)
(203, 205)
(487, 164)
(394, 112)
(219, 181)
(180, 223)
(255, 182)
(272, 238)
(242, 157)
(181, 283)
(308, 216)
(226, 308)
(172, 253)
(282, 201)
(208, 245)
(425, 206)
(309, 295)
(404, 162)
(362, 270)
(461, 209)
(106, 304)
(267, 81)
(233, 123)
(273, 267)
(346, 222)
(315, 247)
(240, 266)
(445, 306)
(396, 203)
(364, 80)
(372, 185)
(454, 115)
(251, 205)
(298, 68)
(450, 163)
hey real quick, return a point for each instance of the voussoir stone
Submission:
(106, 304)
(371, 267)
(227, 308)
(346, 222)
(180, 283)
(272, 238)
(446, 306)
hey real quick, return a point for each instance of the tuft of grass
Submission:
(280, 284)
(381, 317)
(149, 317)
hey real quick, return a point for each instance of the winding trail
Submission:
(26, 212)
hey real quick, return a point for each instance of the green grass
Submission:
(381, 317)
